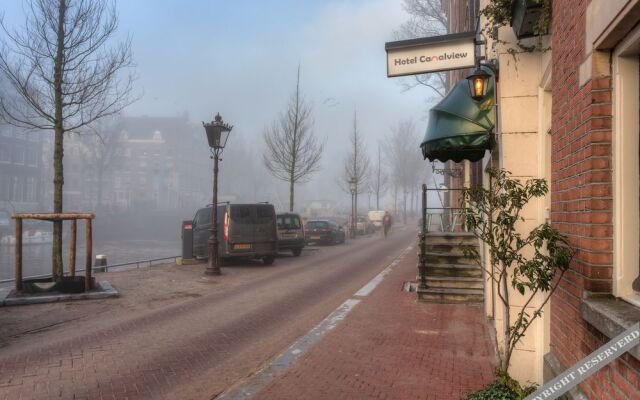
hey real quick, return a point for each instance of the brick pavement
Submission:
(391, 347)
(191, 347)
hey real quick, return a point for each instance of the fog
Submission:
(239, 58)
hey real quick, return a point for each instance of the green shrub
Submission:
(503, 387)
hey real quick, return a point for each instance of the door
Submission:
(265, 228)
(201, 226)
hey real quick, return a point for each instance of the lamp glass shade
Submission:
(217, 133)
(478, 83)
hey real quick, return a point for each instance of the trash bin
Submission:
(187, 240)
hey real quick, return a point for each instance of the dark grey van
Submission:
(244, 231)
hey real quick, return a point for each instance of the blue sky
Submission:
(240, 57)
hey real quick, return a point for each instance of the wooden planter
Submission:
(65, 284)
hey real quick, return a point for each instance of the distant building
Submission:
(320, 208)
(151, 164)
(20, 169)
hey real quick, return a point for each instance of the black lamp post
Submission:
(478, 83)
(217, 135)
(353, 187)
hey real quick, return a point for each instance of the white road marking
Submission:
(262, 377)
(368, 288)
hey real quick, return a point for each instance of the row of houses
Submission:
(568, 112)
(130, 163)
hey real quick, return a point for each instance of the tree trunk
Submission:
(99, 188)
(404, 206)
(395, 200)
(506, 323)
(291, 183)
(58, 152)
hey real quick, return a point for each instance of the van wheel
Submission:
(268, 260)
(296, 252)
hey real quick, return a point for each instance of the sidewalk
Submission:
(391, 347)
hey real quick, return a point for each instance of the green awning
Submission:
(460, 128)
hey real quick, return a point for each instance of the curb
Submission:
(105, 290)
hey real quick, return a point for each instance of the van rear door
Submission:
(241, 226)
(265, 234)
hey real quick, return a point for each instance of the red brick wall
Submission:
(581, 201)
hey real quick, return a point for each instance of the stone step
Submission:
(454, 270)
(454, 282)
(440, 295)
(454, 238)
(449, 258)
(446, 247)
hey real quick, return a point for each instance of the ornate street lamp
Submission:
(353, 188)
(478, 83)
(217, 135)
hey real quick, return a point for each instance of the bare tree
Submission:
(102, 147)
(293, 153)
(403, 156)
(356, 166)
(60, 67)
(427, 18)
(380, 180)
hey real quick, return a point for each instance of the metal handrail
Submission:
(99, 267)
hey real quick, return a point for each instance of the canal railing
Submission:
(102, 268)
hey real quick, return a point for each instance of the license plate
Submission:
(242, 246)
(289, 235)
(315, 237)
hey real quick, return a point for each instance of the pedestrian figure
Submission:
(386, 223)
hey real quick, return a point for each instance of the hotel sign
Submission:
(432, 54)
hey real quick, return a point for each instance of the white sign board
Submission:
(439, 53)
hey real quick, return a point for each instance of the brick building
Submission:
(595, 168)
(571, 115)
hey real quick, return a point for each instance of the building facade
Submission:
(138, 164)
(21, 169)
(595, 190)
(569, 113)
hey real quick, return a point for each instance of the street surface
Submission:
(190, 342)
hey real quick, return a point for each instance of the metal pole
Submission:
(422, 255)
(88, 248)
(72, 247)
(18, 254)
(213, 268)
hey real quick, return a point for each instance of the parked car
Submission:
(290, 233)
(324, 231)
(244, 231)
(364, 226)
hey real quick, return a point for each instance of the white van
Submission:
(376, 217)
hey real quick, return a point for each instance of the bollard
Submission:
(100, 264)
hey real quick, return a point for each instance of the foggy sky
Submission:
(240, 58)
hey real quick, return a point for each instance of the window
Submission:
(31, 190)
(317, 225)
(17, 193)
(242, 214)
(5, 153)
(203, 217)
(32, 157)
(288, 222)
(5, 187)
(19, 154)
(626, 167)
(266, 213)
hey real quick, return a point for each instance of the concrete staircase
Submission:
(451, 277)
